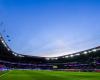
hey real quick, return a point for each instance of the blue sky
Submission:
(50, 27)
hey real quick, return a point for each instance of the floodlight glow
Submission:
(85, 52)
(94, 50)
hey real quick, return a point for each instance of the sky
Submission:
(50, 28)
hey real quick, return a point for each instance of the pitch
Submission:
(48, 75)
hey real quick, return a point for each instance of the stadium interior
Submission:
(87, 60)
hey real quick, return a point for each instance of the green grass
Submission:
(49, 75)
(3, 72)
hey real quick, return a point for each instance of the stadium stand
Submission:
(87, 60)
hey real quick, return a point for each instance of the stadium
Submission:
(49, 40)
(14, 63)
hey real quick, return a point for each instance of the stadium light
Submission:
(8, 49)
(94, 50)
(71, 55)
(15, 54)
(77, 54)
(20, 55)
(85, 52)
(66, 56)
(4, 43)
(89, 51)
(55, 58)
(47, 58)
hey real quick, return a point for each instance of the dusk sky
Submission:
(50, 27)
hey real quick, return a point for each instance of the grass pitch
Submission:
(48, 75)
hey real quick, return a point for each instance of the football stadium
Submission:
(80, 65)
(49, 40)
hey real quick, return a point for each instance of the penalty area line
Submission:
(4, 74)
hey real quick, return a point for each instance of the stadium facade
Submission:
(87, 60)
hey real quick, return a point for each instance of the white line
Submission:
(4, 74)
